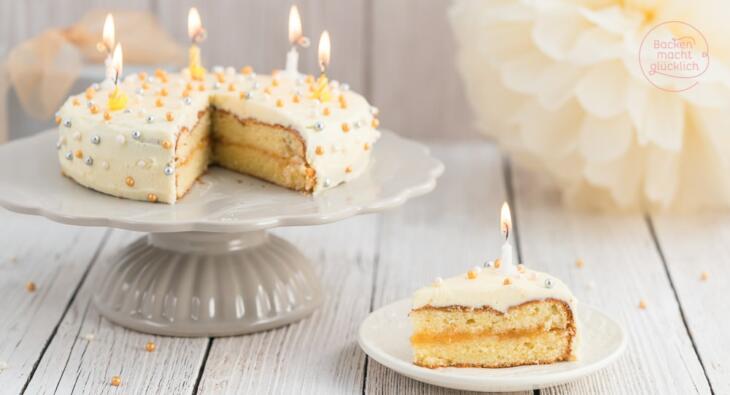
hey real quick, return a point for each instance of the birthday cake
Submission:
(486, 318)
(172, 127)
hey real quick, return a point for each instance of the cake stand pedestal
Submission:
(208, 267)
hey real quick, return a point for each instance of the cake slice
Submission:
(490, 319)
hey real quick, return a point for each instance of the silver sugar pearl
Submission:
(95, 86)
(217, 85)
(300, 81)
(255, 85)
(169, 170)
(59, 143)
(318, 126)
(188, 101)
(151, 79)
(361, 123)
(69, 155)
(150, 119)
(89, 104)
(139, 91)
(345, 87)
(95, 139)
(67, 123)
(548, 283)
(327, 182)
(249, 95)
(252, 76)
(374, 110)
(217, 69)
(89, 161)
(489, 264)
(127, 111)
(136, 134)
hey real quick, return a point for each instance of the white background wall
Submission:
(399, 53)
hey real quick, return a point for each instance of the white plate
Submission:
(384, 336)
(222, 201)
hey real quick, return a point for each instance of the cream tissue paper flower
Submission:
(568, 86)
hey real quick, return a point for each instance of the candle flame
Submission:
(195, 26)
(295, 25)
(505, 220)
(118, 61)
(324, 50)
(108, 33)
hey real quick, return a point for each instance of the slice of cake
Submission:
(493, 318)
(173, 127)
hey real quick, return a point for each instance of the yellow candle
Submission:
(322, 90)
(117, 99)
(196, 33)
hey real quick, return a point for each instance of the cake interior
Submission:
(536, 332)
(270, 152)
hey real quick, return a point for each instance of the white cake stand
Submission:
(208, 267)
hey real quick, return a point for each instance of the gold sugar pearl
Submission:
(319, 150)
(310, 172)
(58, 120)
(201, 87)
(220, 77)
(326, 111)
(231, 87)
(116, 381)
(274, 82)
(170, 117)
(145, 86)
(150, 346)
(159, 102)
(343, 104)
(159, 73)
(348, 169)
(507, 281)
(163, 92)
(89, 92)
(267, 90)
(94, 109)
(246, 70)
(30, 286)
(186, 93)
(79, 154)
(579, 263)
(471, 275)
(704, 276)
(129, 181)
(309, 79)
(75, 101)
(189, 86)
(142, 75)
(366, 147)
(521, 268)
(497, 263)
(375, 123)
(107, 116)
(242, 95)
(166, 144)
(642, 304)
(296, 99)
(152, 198)
(345, 127)
(279, 103)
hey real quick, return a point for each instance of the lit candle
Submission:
(322, 90)
(505, 221)
(197, 35)
(107, 45)
(117, 99)
(296, 39)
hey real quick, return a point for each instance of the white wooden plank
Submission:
(256, 33)
(693, 244)
(55, 257)
(413, 71)
(318, 355)
(442, 234)
(74, 364)
(623, 264)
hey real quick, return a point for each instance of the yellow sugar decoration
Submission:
(117, 100)
(322, 91)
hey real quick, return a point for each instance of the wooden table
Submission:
(54, 341)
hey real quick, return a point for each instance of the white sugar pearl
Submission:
(438, 281)
(77, 136)
(121, 139)
(141, 163)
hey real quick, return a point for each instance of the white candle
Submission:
(108, 45)
(505, 222)
(110, 73)
(292, 62)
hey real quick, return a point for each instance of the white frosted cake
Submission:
(494, 318)
(172, 127)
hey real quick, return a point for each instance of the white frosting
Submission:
(488, 289)
(115, 154)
